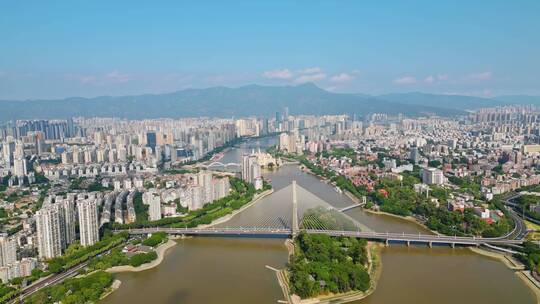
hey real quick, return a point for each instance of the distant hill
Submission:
(443, 101)
(219, 102)
(252, 100)
(519, 99)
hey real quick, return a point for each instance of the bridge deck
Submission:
(415, 238)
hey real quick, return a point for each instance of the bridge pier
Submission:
(408, 243)
(453, 245)
(386, 243)
(430, 244)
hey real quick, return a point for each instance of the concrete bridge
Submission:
(288, 232)
(291, 229)
(350, 207)
(220, 164)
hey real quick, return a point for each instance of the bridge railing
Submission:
(380, 235)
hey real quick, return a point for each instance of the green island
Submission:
(324, 265)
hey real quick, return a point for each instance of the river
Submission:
(232, 270)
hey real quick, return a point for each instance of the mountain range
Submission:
(252, 100)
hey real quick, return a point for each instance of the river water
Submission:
(233, 270)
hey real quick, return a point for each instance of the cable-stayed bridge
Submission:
(294, 209)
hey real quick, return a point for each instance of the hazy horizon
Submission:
(272, 86)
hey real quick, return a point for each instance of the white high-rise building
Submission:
(153, 200)
(284, 142)
(19, 167)
(197, 198)
(88, 221)
(204, 179)
(8, 250)
(8, 148)
(432, 176)
(69, 220)
(49, 231)
(250, 168)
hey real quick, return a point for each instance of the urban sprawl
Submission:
(66, 184)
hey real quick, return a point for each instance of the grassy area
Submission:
(156, 239)
(533, 236)
(141, 210)
(77, 255)
(532, 226)
(7, 293)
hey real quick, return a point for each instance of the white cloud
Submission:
(487, 93)
(435, 78)
(313, 70)
(405, 80)
(88, 79)
(430, 79)
(442, 77)
(310, 77)
(479, 76)
(278, 74)
(342, 77)
(116, 76)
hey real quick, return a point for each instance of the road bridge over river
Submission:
(324, 219)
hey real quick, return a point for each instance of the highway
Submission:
(52, 280)
(520, 229)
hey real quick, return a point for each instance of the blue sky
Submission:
(53, 49)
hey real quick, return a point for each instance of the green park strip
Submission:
(87, 289)
(76, 255)
(7, 293)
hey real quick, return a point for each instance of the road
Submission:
(520, 230)
(286, 232)
(52, 280)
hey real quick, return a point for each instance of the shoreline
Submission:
(228, 217)
(160, 250)
(518, 268)
(353, 198)
(408, 218)
(504, 258)
(114, 286)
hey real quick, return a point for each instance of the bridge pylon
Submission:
(295, 228)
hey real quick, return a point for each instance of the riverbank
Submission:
(506, 259)
(356, 200)
(257, 197)
(515, 265)
(114, 286)
(408, 218)
(160, 251)
(531, 282)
